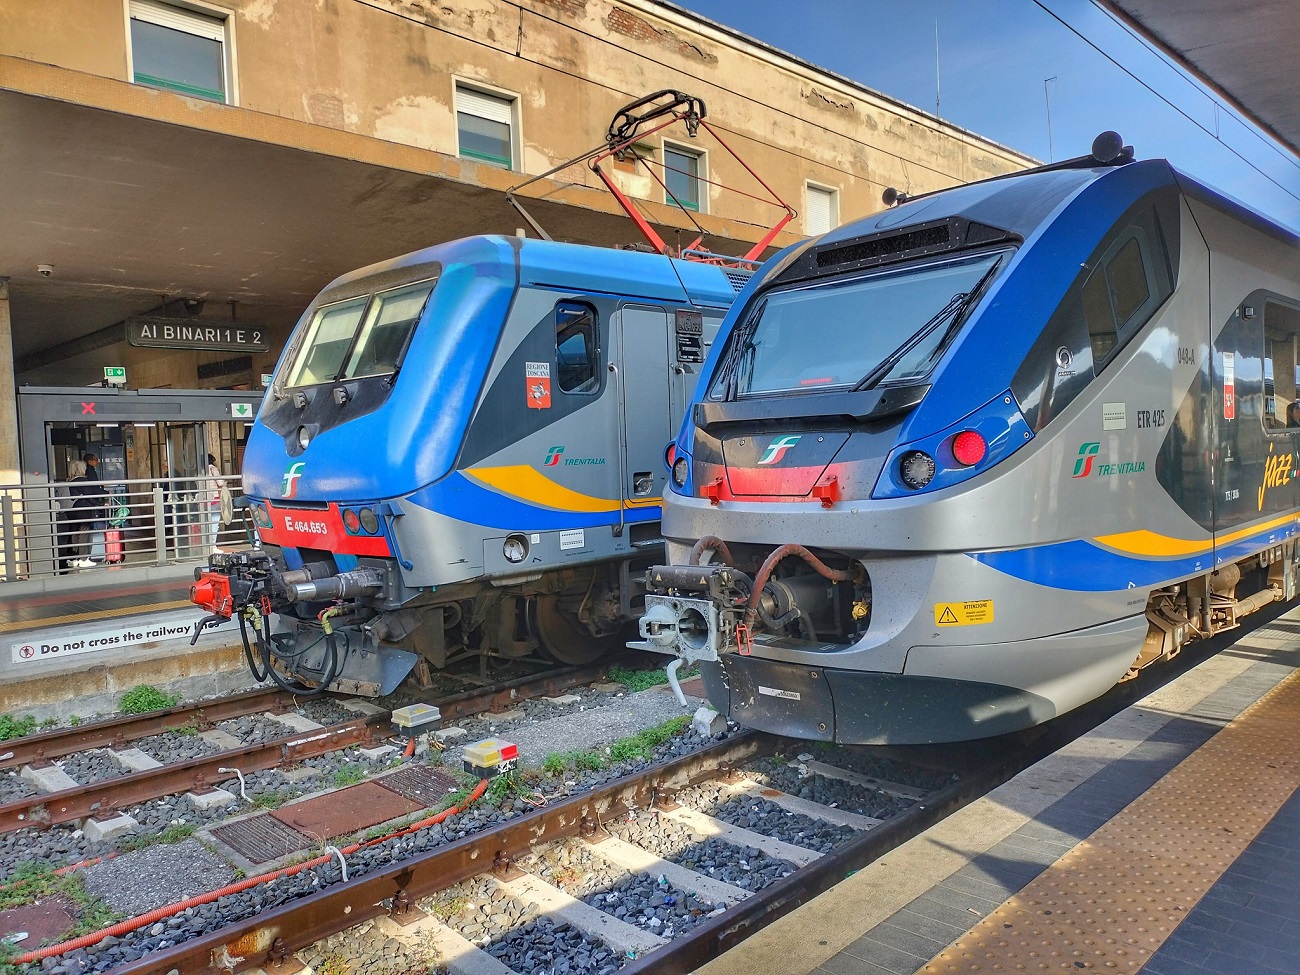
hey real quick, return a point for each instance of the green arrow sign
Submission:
(115, 374)
(241, 411)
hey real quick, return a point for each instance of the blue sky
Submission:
(994, 56)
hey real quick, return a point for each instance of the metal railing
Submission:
(77, 526)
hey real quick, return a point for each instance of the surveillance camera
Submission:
(45, 270)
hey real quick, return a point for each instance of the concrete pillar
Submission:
(10, 473)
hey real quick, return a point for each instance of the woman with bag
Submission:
(68, 528)
(218, 484)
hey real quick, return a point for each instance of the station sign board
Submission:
(157, 332)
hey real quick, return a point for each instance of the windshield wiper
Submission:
(739, 348)
(953, 310)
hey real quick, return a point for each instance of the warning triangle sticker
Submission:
(948, 616)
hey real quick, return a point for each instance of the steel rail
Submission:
(197, 774)
(103, 798)
(272, 935)
(41, 748)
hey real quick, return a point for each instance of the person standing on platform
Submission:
(70, 529)
(217, 481)
(99, 509)
(89, 511)
(168, 512)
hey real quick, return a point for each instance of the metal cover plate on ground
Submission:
(260, 839)
(420, 783)
(345, 811)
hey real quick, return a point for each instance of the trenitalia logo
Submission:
(553, 456)
(1083, 466)
(777, 448)
(290, 486)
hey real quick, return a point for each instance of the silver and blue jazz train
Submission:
(959, 467)
(463, 451)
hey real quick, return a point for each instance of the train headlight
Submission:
(369, 521)
(304, 437)
(916, 469)
(969, 448)
(681, 471)
(515, 549)
(351, 522)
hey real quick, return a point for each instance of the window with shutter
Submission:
(484, 126)
(179, 50)
(822, 212)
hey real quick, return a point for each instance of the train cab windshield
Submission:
(886, 326)
(360, 337)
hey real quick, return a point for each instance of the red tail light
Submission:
(969, 448)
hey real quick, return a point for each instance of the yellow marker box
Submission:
(490, 753)
(415, 716)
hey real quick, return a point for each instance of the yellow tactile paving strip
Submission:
(1109, 903)
(98, 614)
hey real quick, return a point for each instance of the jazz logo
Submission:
(1083, 466)
(776, 450)
(289, 487)
(537, 385)
(1277, 473)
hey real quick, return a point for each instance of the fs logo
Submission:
(777, 448)
(1083, 466)
(290, 486)
(553, 456)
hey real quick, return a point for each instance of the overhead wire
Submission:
(1042, 5)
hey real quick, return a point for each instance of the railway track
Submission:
(70, 801)
(735, 835)
(658, 870)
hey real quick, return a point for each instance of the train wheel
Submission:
(565, 639)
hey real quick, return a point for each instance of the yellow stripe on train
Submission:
(533, 487)
(1149, 544)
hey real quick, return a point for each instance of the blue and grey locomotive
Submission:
(463, 452)
(959, 467)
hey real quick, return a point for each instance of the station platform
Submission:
(71, 644)
(1166, 841)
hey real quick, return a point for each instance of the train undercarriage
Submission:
(356, 632)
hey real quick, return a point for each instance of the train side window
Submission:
(1121, 294)
(1281, 369)
(575, 347)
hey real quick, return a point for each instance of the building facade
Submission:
(213, 165)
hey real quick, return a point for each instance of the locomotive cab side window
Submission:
(1122, 292)
(1281, 369)
(575, 347)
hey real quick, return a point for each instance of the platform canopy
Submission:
(1248, 52)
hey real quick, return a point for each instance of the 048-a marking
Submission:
(972, 612)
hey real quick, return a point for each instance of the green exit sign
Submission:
(115, 374)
